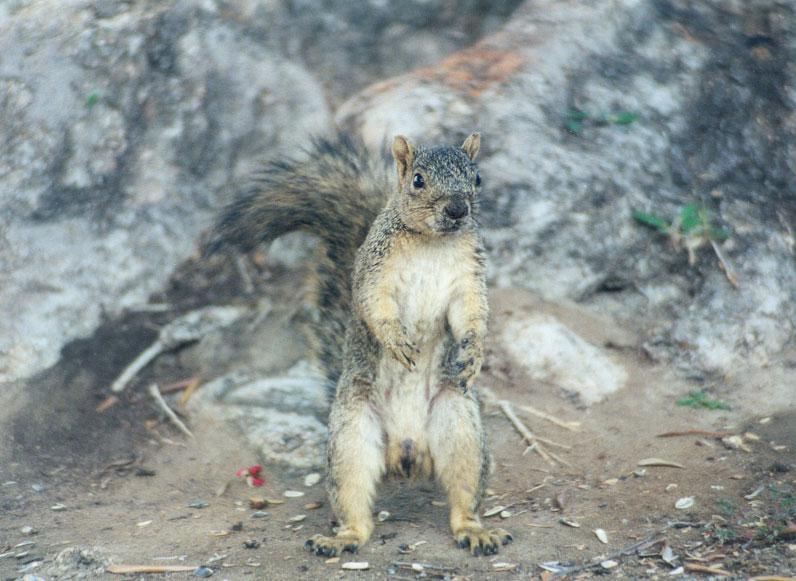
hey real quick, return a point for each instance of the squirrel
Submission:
(400, 290)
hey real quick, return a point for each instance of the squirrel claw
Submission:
(402, 354)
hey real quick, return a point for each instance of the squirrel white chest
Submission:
(424, 288)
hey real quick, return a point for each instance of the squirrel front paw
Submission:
(466, 365)
(396, 340)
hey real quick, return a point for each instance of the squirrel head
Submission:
(438, 187)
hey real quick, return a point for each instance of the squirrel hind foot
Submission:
(481, 541)
(332, 546)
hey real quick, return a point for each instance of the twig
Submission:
(187, 328)
(706, 433)
(534, 445)
(406, 564)
(705, 569)
(725, 266)
(571, 426)
(192, 386)
(126, 569)
(137, 365)
(153, 389)
(177, 385)
(559, 459)
(552, 443)
(106, 404)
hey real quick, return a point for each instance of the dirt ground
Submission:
(119, 484)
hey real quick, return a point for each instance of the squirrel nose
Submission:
(456, 210)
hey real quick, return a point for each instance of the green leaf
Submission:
(573, 126)
(651, 221)
(92, 99)
(700, 399)
(690, 218)
(624, 118)
(577, 115)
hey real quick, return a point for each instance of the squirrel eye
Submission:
(418, 181)
(478, 178)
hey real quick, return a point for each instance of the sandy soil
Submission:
(125, 479)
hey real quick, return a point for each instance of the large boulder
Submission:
(591, 111)
(121, 123)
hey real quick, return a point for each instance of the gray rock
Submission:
(710, 86)
(121, 124)
(280, 416)
(78, 563)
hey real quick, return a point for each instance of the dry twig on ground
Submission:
(155, 392)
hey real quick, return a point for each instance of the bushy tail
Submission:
(335, 193)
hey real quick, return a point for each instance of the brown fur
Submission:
(405, 402)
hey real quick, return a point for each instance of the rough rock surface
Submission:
(122, 122)
(711, 84)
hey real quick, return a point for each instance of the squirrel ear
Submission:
(472, 145)
(404, 155)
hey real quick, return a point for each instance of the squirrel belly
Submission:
(432, 273)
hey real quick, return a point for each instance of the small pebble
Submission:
(297, 518)
(383, 516)
(251, 544)
(332, 560)
(495, 510)
(58, 507)
(602, 535)
(312, 479)
(293, 493)
(237, 527)
(356, 565)
(313, 505)
(203, 572)
(670, 487)
(38, 487)
(259, 514)
(609, 564)
(505, 513)
(503, 567)
(684, 503)
(28, 530)
(198, 503)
